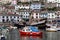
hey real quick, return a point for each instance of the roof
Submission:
(36, 10)
(8, 14)
(10, 7)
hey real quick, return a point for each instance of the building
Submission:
(23, 9)
(58, 15)
(24, 0)
(22, 6)
(14, 2)
(51, 15)
(43, 14)
(35, 14)
(28, 0)
(35, 6)
(24, 14)
(5, 1)
(9, 18)
(51, 5)
(54, 3)
(36, 10)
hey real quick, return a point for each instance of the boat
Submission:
(36, 23)
(52, 28)
(30, 30)
(29, 24)
(58, 28)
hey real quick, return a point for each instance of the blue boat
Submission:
(34, 29)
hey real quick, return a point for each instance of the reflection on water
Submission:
(46, 36)
(51, 36)
(31, 38)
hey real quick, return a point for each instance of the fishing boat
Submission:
(31, 30)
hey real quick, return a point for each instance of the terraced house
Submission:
(32, 10)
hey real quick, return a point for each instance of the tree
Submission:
(52, 9)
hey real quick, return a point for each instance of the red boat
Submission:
(28, 31)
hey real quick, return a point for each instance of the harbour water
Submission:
(46, 36)
(14, 35)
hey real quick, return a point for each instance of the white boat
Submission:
(38, 22)
(52, 28)
(58, 29)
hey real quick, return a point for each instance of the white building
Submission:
(53, 1)
(35, 14)
(58, 14)
(9, 17)
(24, 0)
(39, 15)
(28, 0)
(57, 2)
(43, 15)
(14, 2)
(24, 14)
(25, 6)
(35, 6)
(51, 15)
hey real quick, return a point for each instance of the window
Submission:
(33, 7)
(37, 7)
(7, 16)
(18, 16)
(23, 5)
(25, 12)
(24, 16)
(3, 17)
(36, 13)
(36, 16)
(3, 20)
(14, 16)
(7, 20)
(11, 17)
(52, 15)
(28, 30)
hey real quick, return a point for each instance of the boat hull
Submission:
(31, 33)
(51, 30)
